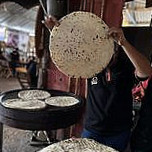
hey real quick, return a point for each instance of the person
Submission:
(2, 56)
(141, 138)
(14, 60)
(109, 102)
(32, 71)
(108, 117)
(141, 135)
(139, 90)
(7, 53)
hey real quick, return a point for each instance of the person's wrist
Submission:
(123, 41)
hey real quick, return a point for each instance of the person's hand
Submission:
(50, 21)
(117, 34)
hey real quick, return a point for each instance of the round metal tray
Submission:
(49, 118)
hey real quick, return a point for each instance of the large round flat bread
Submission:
(24, 104)
(61, 101)
(80, 46)
(78, 145)
(33, 94)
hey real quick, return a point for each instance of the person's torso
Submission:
(109, 102)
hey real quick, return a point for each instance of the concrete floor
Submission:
(15, 140)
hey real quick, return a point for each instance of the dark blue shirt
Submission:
(109, 103)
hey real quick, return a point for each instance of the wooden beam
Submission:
(112, 13)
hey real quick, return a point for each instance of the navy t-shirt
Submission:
(109, 103)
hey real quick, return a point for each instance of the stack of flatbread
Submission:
(28, 100)
(80, 46)
(78, 145)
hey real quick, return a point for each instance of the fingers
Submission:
(54, 20)
(114, 32)
(50, 21)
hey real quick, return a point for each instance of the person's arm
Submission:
(140, 62)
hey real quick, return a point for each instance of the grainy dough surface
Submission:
(33, 94)
(78, 145)
(24, 104)
(79, 46)
(62, 101)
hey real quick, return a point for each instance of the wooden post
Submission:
(112, 13)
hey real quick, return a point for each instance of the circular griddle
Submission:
(49, 118)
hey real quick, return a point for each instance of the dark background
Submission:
(141, 38)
